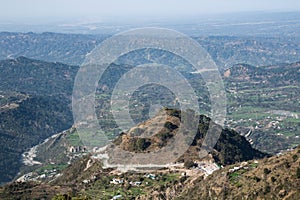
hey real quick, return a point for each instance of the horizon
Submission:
(53, 11)
(240, 23)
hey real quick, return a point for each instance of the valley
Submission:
(267, 115)
(44, 154)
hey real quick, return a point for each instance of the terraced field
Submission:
(264, 105)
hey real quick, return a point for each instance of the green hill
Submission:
(35, 104)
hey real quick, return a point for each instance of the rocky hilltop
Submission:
(89, 178)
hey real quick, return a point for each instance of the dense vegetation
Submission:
(35, 104)
(35, 119)
(36, 77)
(52, 47)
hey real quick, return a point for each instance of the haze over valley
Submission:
(197, 101)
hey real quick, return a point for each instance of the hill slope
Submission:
(152, 135)
(34, 104)
(277, 177)
(88, 177)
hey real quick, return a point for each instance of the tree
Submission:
(142, 144)
(298, 172)
(189, 164)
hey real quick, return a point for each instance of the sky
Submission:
(41, 10)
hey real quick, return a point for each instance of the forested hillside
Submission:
(35, 104)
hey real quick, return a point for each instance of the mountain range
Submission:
(263, 104)
(225, 50)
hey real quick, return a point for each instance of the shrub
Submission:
(170, 126)
(182, 179)
(267, 171)
(189, 164)
(295, 158)
(287, 165)
(298, 172)
(273, 179)
(257, 179)
(267, 189)
(62, 197)
(139, 144)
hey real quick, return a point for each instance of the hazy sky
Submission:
(20, 10)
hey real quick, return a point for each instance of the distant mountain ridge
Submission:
(52, 47)
(37, 77)
(225, 50)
